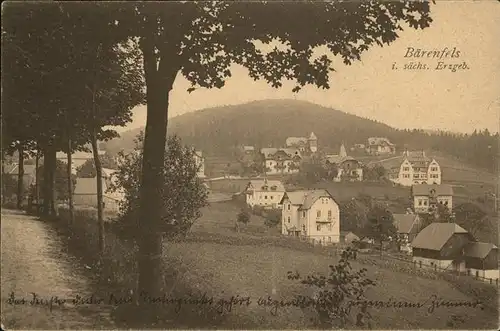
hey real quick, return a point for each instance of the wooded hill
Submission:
(265, 123)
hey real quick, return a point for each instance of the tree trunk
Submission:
(37, 176)
(159, 83)
(49, 165)
(70, 183)
(4, 186)
(100, 204)
(20, 177)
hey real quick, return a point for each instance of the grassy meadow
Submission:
(255, 269)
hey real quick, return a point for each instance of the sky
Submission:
(431, 99)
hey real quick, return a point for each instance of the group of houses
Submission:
(315, 216)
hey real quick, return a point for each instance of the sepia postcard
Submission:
(244, 165)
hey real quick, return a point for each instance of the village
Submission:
(424, 232)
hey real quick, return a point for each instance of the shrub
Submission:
(273, 218)
(243, 216)
(183, 192)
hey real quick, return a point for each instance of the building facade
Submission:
(265, 193)
(313, 215)
(281, 160)
(380, 146)
(349, 169)
(303, 144)
(441, 245)
(426, 198)
(416, 168)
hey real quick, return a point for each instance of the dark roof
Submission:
(478, 249)
(305, 199)
(259, 184)
(425, 189)
(435, 235)
(404, 222)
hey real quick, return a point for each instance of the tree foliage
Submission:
(471, 217)
(272, 218)
(243, 216)
(380, 225)
(183, 193)
(353, 215)
(60, 181)
(87, 169)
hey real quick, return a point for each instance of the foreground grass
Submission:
(227, 270)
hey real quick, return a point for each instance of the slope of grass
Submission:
(227, 270)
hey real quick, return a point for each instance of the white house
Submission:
(281, 160)
(416, 168)
(265, 193)
(85, 193)
(312, 214)
(200, 163)
(426, 197)
(380, 146)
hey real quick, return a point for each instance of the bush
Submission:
(243, 216)
(273, 218)
(183, 193)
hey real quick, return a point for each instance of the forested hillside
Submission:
(217, 131)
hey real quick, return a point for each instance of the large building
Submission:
(380, 146)
(427, 197)
(281, 160)
(265, 193)
(348, 167)
(312, 214)
(416, 168)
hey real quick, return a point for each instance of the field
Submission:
(255, 270)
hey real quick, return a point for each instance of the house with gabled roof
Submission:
(264, 192)
(311, 214)
(441, 245)
(380, 146)
(85, 193)
(415, 167)
(427, 197)
(281, 160)
(348, 167)
(481, 260)
(408, 225)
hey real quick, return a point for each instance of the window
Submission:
(415, 176)
(303, 228)
(288, 206)
(406, 168)
(318, 227)
(425, 202)
(446, 203)
(419, 202)
(271, 197)
(329, 227)
(406, 176)
(318, 213)
(265, 197)
(329, 214)
(303, 214)
(434, 169)
(288, 219)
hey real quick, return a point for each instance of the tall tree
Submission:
(380, 225)
(201, 40)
